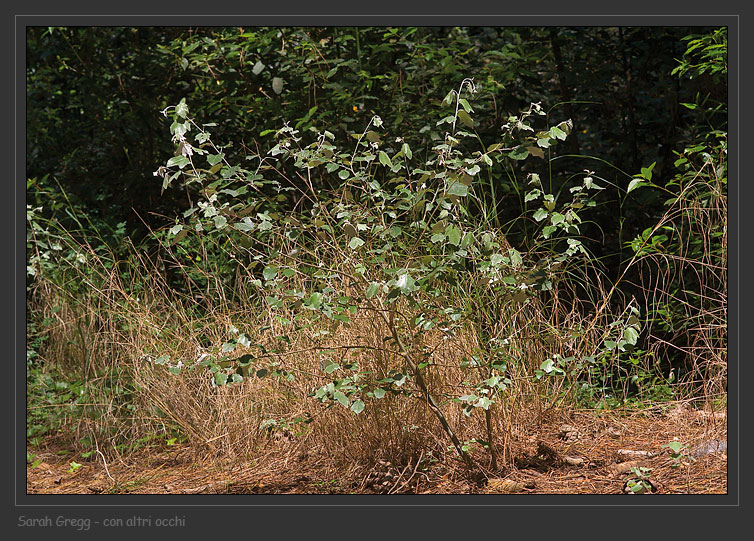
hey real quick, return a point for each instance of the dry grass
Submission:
(691, 278)
(117, 321)
(112, 335)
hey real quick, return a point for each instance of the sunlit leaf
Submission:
(464, 117)
(277, 85)
(385, 159)
(372, 290)
(540, 214)
(635, 183)
(459, 189)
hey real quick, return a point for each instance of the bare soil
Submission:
(580, 453)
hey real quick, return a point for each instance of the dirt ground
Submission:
(582, 453)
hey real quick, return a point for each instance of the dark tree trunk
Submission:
(565, 91)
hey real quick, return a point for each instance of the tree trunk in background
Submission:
(564, 90)
(630, 103)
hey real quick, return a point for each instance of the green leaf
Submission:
(270, 272)
(471, 171)
(340, 397)
(557, 133)
(258, 67)
(465, 105)
(454, 234)
(221, 378)
(483, 402)
(385, 159)
(459, 189)
(357, 407)
(630, 335)
(228, 346)
(515, 256)
(540, 215)
(547, 366)
(635, 183)
(179, 128)
(675, 446)
(407, 151)
(646, 172)
(437, 237)
(468, 240)
(182, 109)
(214, 159)
(556, 218)
(519, 153)
(314, 302)
(406, 284)
(464, 117)
(180, 161)
(220, 221)
(372, 290)
(379, 393)
(277, 85)
(355, 243)
(446, 120)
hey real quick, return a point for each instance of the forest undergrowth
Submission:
(359, 310)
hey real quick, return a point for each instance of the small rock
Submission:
(505, 486)
(568, 433)
(624, 467)
(710, 447)
(630, 453)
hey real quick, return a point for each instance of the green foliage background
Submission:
(95, 95)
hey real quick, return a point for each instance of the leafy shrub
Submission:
(398, 241)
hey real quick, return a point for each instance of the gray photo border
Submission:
(205, 509)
